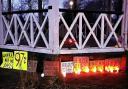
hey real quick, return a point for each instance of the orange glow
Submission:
(116, 68)
(100, 68)
(80, 66)
(94, 69)
(111, 69)
(85, 69)
(77, 68)
(77, 71)
(106, 69)
(64, 74)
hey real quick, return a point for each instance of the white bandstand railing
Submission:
(107, 36)
(17, 32)
(101, 43)
(26, 32)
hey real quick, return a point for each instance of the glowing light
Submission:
(111, 69)
(94, 69)
(77, 68)
(106, 69)
(100, 68)
(77, 71)
(116, 68)
(71, 3)
(64, 74)
(70, 41)
(42, 75)
(85, 69)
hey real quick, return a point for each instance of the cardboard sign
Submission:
(32, 65)
(51, 68)
(7, 60)
(67, 67)
(20, 60)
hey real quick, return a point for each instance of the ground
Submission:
(12, 79)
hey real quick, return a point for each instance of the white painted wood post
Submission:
(1, 26)
(80, 32)
(124, 31)
(102, 31)
(53, 16)
(16, 30)
(31, 30)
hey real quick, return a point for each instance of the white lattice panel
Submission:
(102, 20)
(21, 30)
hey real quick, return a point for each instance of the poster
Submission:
(20, 60)
(67, 67)
(7, 60)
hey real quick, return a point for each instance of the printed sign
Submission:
(20, 60)
(67, 67)
(51, 68)
(7, 60)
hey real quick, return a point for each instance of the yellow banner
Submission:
(7, 60)
(20, 60)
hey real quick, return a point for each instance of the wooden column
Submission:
(124, 30)
(40, 13)
(1, 26)
(53, 15)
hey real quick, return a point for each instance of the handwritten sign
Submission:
(20, 60)
(7, 60)
(67, 67)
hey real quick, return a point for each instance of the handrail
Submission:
(90, 11)
(64, 10)
(25, 11)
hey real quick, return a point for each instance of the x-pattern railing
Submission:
(102, 42)
(31, 23)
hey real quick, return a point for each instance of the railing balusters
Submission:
(102, 31)
(80, 31)
(31, 30)
(27, 31)
(16, 29)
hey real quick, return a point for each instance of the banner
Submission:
(7, 60)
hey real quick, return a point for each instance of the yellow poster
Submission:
(7, 60)
(20, 60)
